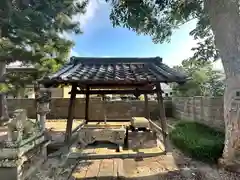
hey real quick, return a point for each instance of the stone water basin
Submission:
(103, 132)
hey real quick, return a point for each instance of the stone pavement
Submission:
(123, 168)
(57, 169)
(164, 167)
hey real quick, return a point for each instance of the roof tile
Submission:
(114, 70)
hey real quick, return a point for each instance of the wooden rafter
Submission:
(102, 92)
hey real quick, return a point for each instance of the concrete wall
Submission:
(67, 89)
(59, 108)
(205, 110)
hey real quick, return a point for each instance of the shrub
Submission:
(199, 141)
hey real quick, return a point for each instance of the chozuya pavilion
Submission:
(102, 76)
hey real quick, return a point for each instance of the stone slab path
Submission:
(123, 168)
(164, 167)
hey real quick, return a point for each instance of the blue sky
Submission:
(102, 40)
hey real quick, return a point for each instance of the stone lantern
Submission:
(43, 100)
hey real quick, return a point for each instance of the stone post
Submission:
(201, 109)
(43, 101)
(193, 108)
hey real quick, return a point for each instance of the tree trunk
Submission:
(3, 101)
(225, 22)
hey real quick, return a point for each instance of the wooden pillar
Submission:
(163, 118)
(104, 108)
(147, 113)
(87, 106)
(71, 109)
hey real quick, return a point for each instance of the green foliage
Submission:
(30, 33)
(141, 97)
(204, 81)
(3, 88)
(198, 140)
(160, 18)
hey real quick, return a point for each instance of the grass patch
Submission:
(198, 141)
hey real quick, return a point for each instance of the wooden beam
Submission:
(87, 105)
(109, 120)
(115, 91)
(155, 127)
(163, 118)
(71, 109)
(78, 127)
(118, 86)
(147, 113)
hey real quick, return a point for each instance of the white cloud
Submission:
(84, 19)
(184, 46)
(74, 53)
(91, 9)
(182, 52)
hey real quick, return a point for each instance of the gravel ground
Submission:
(201, 171)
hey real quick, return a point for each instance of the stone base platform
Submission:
(104, 169)
(140, 144)
(102, 153)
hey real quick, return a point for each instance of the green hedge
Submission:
(199, 141)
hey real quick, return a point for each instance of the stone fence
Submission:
(205, 110)
(59, 108)
(202, 109)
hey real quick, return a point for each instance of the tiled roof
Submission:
(91, 70)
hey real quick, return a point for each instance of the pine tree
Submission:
(30, 33)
